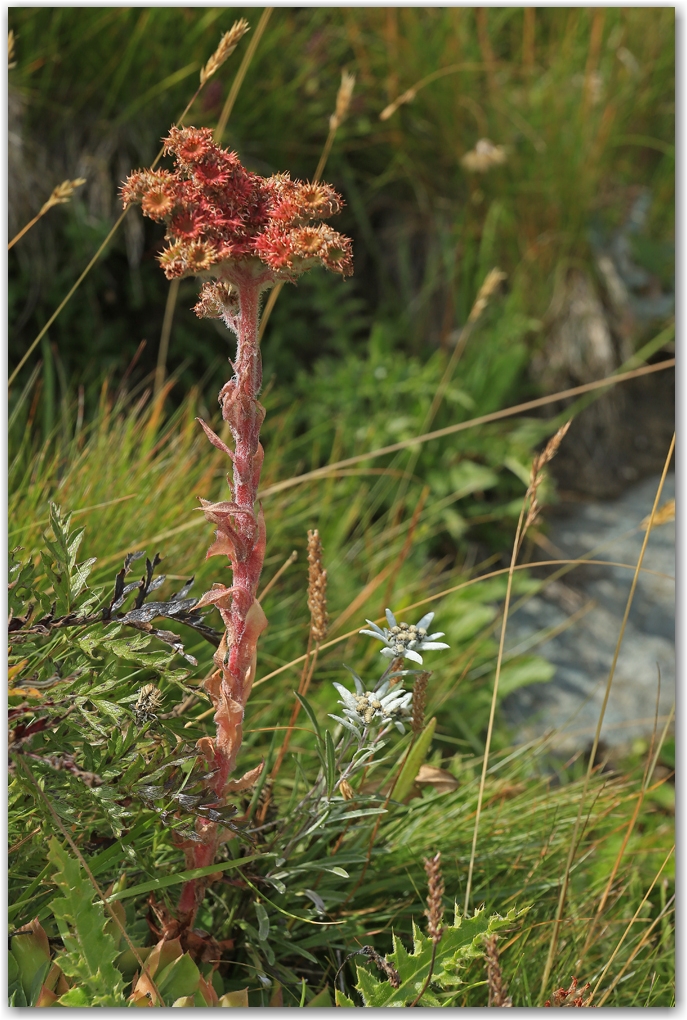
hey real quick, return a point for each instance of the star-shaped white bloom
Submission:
(402, 640)
(364, 709)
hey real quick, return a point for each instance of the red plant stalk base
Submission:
(241, 232)
(241, 537)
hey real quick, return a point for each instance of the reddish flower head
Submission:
(219, 214)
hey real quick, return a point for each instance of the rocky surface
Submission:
(595, 597)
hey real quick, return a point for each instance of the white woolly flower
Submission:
(364, 709)
(403, 640)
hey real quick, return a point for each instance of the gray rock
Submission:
(583, 652)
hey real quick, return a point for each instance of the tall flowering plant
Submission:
(241, 233)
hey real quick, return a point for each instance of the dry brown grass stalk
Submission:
(491, 284)
(530, 496)
(61, 194)
(409, 94)
(11, 39)
(508, 412)
(271, 583)
(241, 74)
(317, 604)
(649, 767)
(597, 736)
(567, 564)
(664, 515)
(630, 924)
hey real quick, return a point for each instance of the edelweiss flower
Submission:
(373, 708)
(404, 640)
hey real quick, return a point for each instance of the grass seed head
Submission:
(485, 293)
(227, 45)
(537, 475)
(343, 100)
(498, 990)
(419, 702)
(62, 193)
(317, 588)
(435, 895)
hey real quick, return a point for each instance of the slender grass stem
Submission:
(597, 736)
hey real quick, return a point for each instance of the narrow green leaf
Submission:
(310, 714)
(182, 876)
(412, 764)
(331, 762)
(263, 922)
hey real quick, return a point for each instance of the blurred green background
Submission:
(582, 99)
(579, 215)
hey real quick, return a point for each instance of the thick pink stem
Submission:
(241, 536)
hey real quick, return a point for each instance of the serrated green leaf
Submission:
(89, 953)
(79, 577)
(75, 541)
(342, 1000)
(460, 942)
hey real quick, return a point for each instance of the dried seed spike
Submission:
(226, 47)
(317, 588)
(62, 193)
(663, 515)
(491, 283)
(551, 448)
(384, 965)
(563, 997)
(435, 894)
(343, 100)
(405, 97)
(498, 990)
(536, 474)
(419, 702)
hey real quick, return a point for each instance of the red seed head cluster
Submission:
(219, 214)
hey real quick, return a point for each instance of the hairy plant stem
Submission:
(241, 537)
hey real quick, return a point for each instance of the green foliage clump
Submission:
(429, 966)
(90, 951)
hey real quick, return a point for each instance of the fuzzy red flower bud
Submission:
(220, 215)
